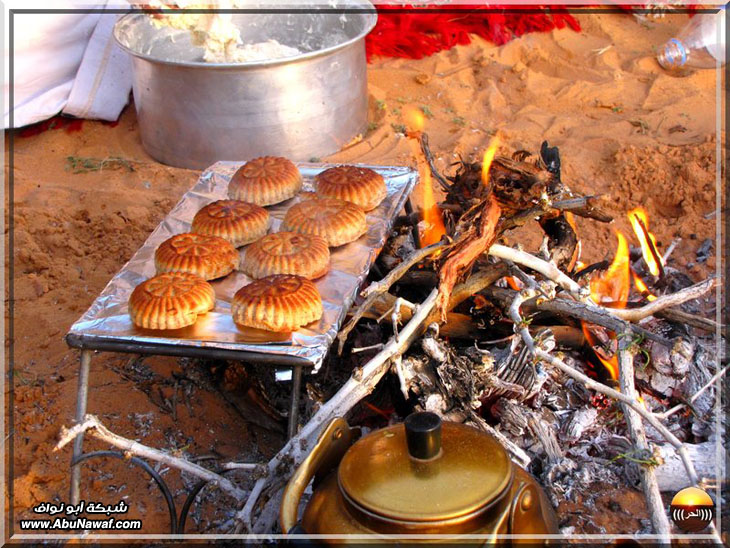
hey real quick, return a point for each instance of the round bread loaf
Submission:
(238, 222)
(359, 185)
(278, 303)
(287, 253)
(170, 301)
(209, 257)
(265, 181)
(337, 221)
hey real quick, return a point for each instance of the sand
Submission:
(625, 128)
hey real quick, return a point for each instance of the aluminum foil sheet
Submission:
(108, 320)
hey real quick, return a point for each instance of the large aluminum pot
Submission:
(192, 114)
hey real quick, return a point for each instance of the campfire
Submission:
(588, 374)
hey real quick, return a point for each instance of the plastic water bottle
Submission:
(700, 44)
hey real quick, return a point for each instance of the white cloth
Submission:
(66, 63)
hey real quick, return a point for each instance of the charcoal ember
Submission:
(667, 367)
(582, 421)
(681, 356)
(663, 384)
(568, 479)
(398, 247)
(700, 372)
(512, 418)
(704, 252)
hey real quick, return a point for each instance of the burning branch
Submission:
(667, 301)
(465, 253)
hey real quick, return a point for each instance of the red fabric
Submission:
(418, 33)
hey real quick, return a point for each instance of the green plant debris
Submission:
(396, 111)
(641, 124)
(372, 126)
(399, 128)
(380, 104)
(426, 111)
(81, 164)
(401, 100)
(629, 456)
(459, 121)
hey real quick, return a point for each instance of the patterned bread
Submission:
(287, 253)
(280, 303)
(265, 181)
(170, 301)
(209, 257)
(359, 185)
(337, 221)
(238, 222)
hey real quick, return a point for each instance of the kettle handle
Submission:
(331, 446)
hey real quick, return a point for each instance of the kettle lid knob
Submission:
(423, 435)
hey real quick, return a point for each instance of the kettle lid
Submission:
(424, 470)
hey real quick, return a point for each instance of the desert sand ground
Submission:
(625, 128)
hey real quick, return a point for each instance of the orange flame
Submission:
(638, 216)
(489, 158)
(415, 120)
(434, 228)
(611, 365)
(614, 284)
(642, 287)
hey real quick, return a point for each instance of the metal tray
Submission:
(106, 324)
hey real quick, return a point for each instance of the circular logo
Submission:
(692, 509)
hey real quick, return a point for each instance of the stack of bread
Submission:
(282, 296)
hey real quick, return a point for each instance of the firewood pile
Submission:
(587, 374)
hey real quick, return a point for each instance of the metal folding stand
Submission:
(88, 345)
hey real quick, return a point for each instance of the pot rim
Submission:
(363, 7)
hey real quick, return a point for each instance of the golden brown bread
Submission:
(265, 181)
(278, 303)
(287, 253)
(359, 185)
(337, 221)
(209, 257)
(238, 222)
(170, 301)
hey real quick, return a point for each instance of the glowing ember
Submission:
(611, 365)
(514, 283)
(489, 158)
(613, 285)
(638, 217)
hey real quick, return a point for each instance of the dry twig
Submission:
(101, 432)
(657, 513)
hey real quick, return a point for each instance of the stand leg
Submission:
(409, 209)
(81, 399)
(296, 389)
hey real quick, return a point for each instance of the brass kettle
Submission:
(422, 477)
